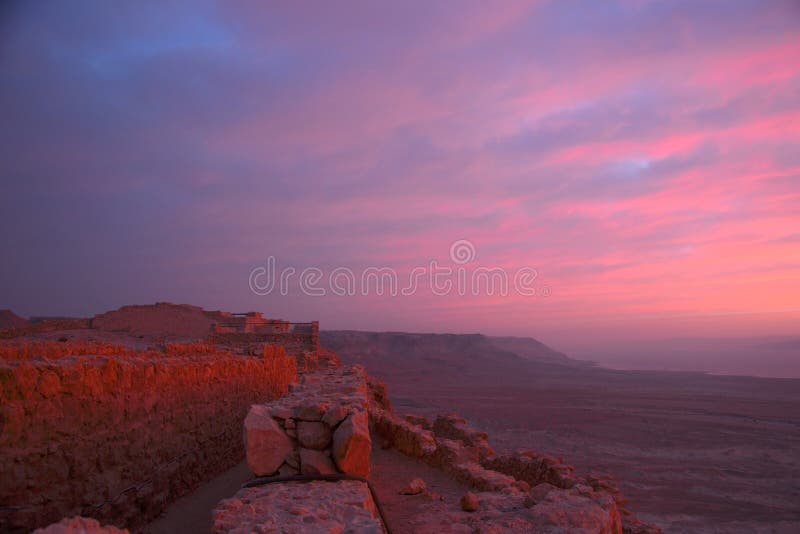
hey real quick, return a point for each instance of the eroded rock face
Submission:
(352, 445)
(266, 442)
(319, 506)
(79, 525)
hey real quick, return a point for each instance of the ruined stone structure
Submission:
(298, 339)
(320, 427)
(251, 323)
(118, 438)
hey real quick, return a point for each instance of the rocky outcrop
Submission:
(319, 506)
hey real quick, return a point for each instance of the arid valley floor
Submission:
(691, 452)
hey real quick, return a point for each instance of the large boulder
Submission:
(352, 445)
(265, 441)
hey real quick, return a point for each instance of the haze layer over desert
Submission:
(405, 267)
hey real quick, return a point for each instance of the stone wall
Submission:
(317, 506)
(118, 437)
(320, 427)
(49, 325)
(303, 339)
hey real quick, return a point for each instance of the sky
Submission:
(641, 159)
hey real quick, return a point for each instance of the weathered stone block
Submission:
(352, 445)
(266, 443)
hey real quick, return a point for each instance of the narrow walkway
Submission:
(191, 514)
(391, 471)
(411, 514)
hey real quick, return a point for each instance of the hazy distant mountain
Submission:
(9, 319)
(530, 349)
(440, 356)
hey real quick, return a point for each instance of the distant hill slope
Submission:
(161, 318)
(530, 349)
(440, 356)
(9, 319)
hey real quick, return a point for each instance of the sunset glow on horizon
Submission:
(643, 157)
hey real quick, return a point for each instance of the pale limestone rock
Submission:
(352, 445)
(266, 444)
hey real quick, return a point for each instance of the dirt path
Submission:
(191, 514)
(392, 471)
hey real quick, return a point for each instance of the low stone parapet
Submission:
(320, 427)
(317, 506)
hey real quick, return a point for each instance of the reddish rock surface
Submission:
(120, 436)
(266, 443)
(352, 445)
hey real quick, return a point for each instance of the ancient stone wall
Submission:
(303, 338)
(118, 437)
(49, 325)
(320, 427)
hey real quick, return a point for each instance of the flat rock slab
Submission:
(318, 506)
